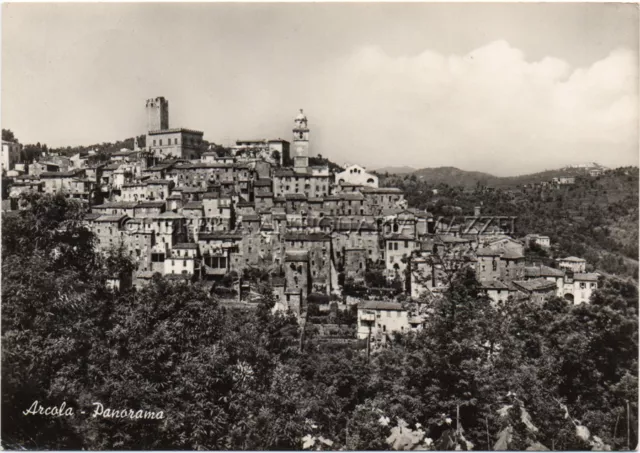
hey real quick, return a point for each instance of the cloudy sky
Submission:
(502, 88)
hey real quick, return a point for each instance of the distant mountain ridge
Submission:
(456, 177)
(395, 170)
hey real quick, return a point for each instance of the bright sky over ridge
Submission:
(502, 88)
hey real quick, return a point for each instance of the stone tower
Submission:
(301, 141)
(157, 114)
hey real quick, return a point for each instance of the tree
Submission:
(7, 135)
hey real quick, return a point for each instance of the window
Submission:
(157, 257)
(406, 244)
(390, 245)
(173, 262)
(154, 143)
(494, 264)
(395, 246)
(160, 142)
(583, 285)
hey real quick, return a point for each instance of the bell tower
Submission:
(301, 142)
(301, 136)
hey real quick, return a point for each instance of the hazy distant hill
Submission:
(395, 170)
(453, 176)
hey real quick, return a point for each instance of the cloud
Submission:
(489, 110)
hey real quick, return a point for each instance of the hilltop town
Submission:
(322, 237)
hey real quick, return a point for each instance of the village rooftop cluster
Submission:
(197, 214)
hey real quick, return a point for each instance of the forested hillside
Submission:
(453, 176)
(509, 377)
(596, 218)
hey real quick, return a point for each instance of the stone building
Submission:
(397, 251)
(356, 175)
(297, 279)
(163, 142)
(537, 290)
(488, 265)
(318, 248)
(355, 264)
(10, 155)
(381, 318)
(554, 275)
(572, 263)
(382, 198)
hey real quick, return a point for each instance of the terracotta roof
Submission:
(250, 218)
(193, 205)
(295, 196)
(586, 276)
(158, 167)
(162, 182)
(169, 215)
(380, 305)
(572, 259)
(306, 237)
(382, 190)
(487, 252)
(450, 239)
(110, 218)
(351, 196)
(512, 255)
(186, 246)
(399, 237)
(151, 204)
(116, 204)
(60, 174)
(174, 130)
(493, 284)
(296, 255)
(538, 284)
(283, 172)
(91, 216)
(542, 271)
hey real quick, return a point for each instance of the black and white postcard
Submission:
(319, 226)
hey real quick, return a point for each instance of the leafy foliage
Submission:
(478, 376)
(596, 218)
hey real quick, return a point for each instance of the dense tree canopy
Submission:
(596, 219)
(478, 376)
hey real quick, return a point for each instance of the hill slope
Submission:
(469, 179)
(597, 218)
(395, 170)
